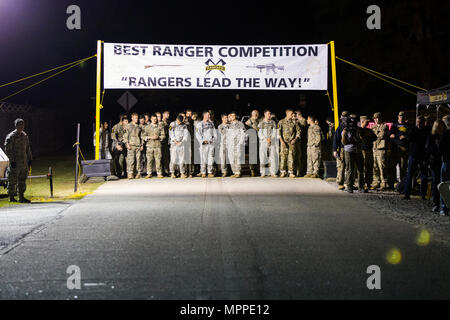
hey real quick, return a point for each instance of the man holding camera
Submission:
(352, 142)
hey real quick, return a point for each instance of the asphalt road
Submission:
(248, 238)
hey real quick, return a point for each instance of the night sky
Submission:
(412, 45)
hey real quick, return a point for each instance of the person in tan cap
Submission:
(380, 153)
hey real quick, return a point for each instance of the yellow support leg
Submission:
(97, 100)
(333, 75)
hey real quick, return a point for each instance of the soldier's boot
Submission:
(274, 176)
(224, 174)
(341, 187)
(291, 175)
(374, 186)
(183, 176)
(12, 199)
(308, 175)
(148, 176)
(211, 175)
(237, 175)
(283, 175)
(315, 176)
(160, 175)
(383, 186)
(203, 175)
(130, 176)
(252, 172)
(22, 199)
(200, 175)
(173, 176)
(138, 176)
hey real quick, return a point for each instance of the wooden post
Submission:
(75, 188)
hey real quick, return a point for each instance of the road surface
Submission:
(221, 238)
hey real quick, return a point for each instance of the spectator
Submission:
(417, 138)
(434, 160)
(351, 140)
(444, 151)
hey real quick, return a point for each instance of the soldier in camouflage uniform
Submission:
(253, 123)
(299, 163)
(288, 133)
(314, 148)
(119, 149)
(380, 147)
(153, 135)
(235, 144)
(338, 152)
(268, 153)
(206, 136)
(133, 140)
(179, 143)
(223, 128)
(143, 163)
(17, 148)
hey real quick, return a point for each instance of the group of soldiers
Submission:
(195, 145)
(382, 156)
(381, 149)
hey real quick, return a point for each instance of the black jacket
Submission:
(432, 150)
(417, 138)
(444, 146)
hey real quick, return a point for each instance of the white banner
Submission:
(146, 66)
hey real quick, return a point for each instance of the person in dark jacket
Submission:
(434, 160)
(400, 151)
(417, 138)
(444, 151)
(368, 138)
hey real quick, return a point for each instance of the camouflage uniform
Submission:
(133, 138)
(143, 162)
(223, 148)
(178, 133)
(288, 129)
(165, 146)
(380, 155)
(314, 150)
(253, 123)
(17, 148)
(299, 163)
(118, 156)
(153, 147)
(235, 144)
(206, 136)
(268, 153)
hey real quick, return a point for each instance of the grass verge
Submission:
(38, 190)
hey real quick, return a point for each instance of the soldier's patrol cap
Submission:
(377, 115)
(17, 121)
(344, 113)
(361, 118)
(401, 113)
